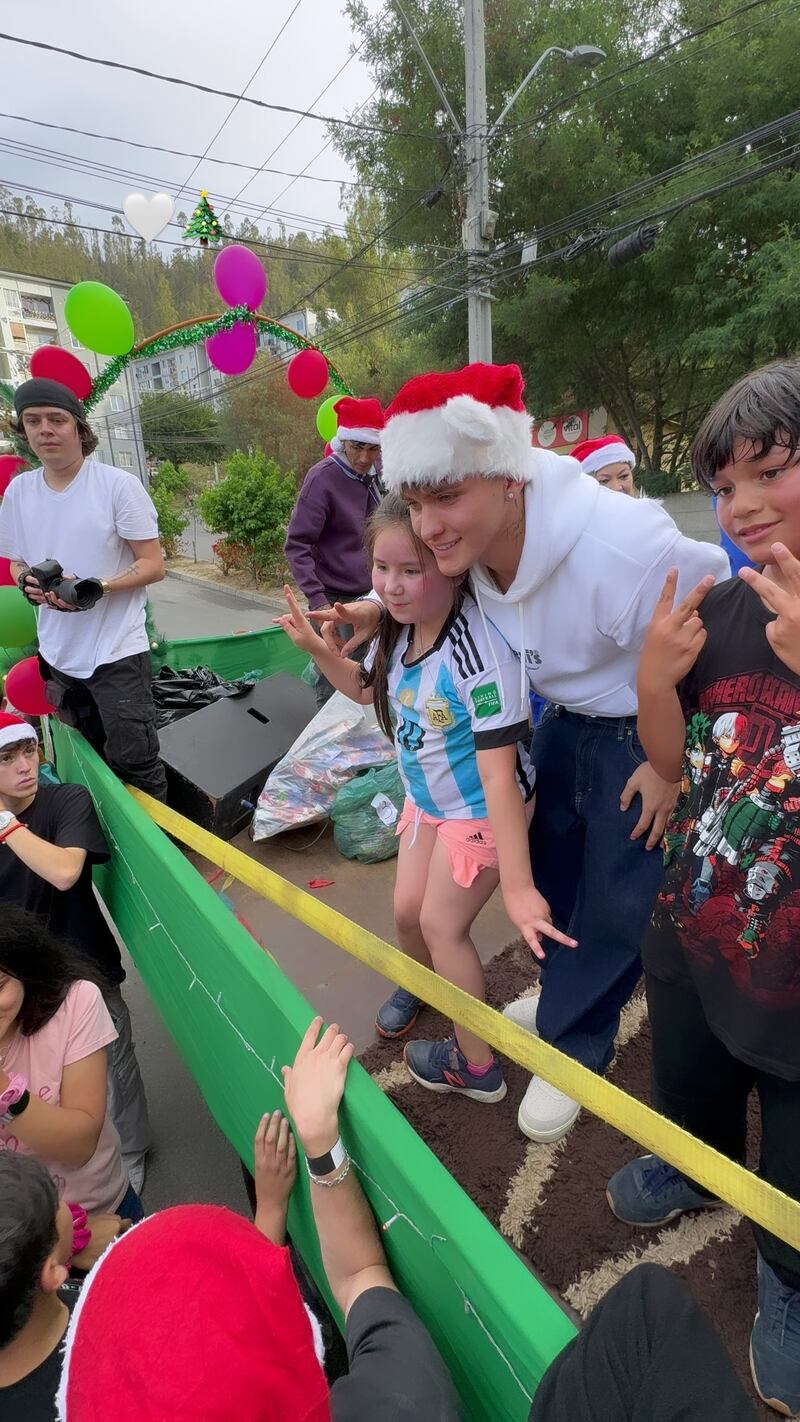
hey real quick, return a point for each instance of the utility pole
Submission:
(477, 232)
(478, 228)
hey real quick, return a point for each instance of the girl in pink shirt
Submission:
(54, 1031)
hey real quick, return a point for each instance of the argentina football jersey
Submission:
(462, 695)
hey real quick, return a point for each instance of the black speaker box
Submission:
(218, 758)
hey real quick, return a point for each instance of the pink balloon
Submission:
(232, 351)
(7, 579)
(25, 689)
(10, 465)
(307, 374)
(240, 278)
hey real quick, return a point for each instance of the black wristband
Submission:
(21, 1105)
(331, 1160)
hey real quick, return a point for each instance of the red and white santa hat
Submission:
(192, 1313)
(358, 419)
(595, 454)
(13, 729)
(446, 425)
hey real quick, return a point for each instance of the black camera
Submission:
(81, 593)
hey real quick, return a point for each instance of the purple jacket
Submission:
(325, 538)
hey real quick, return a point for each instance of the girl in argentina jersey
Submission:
(450, 693)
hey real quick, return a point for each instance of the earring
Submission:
(510, 496)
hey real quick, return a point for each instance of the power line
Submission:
(295, 254)
(296, 125)
(183, 153)
(607, 79)
(107, 172)
(222, 93)
(773, 128)
(235, 106)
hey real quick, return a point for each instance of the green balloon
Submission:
(327, 423)
(17, 619)
(99, 318)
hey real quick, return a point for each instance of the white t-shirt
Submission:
(464, 695)
(86, 528)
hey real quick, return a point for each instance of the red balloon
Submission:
(307, 374)
(6, 579)
(53, 363)
(10, 464)
(25, 690)
(327, 451)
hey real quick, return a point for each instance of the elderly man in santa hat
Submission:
(325, 539)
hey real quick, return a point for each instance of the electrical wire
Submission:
(295, 254)
(235, 106)
(430, 137)
(182, 152)
(774, 128)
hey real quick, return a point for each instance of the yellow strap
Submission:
(754, 1198)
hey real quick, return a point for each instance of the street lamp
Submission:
(584, 56)
(479, 225)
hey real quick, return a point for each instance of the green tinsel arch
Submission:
(189, 333)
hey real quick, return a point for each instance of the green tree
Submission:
(654, 341)
(168, 489)
(251, 506)
(178, 428)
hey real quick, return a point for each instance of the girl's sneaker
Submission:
(398, 1014)
(775, 1343)
(441, 1066)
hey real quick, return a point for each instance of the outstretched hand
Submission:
(675, 636)
(530, 913)
(782, 598)
(314, 1086)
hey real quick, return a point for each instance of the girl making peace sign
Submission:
(449, 692)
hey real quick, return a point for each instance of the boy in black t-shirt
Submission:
(719, 692)
(49, 840)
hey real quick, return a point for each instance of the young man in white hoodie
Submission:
(570, 575)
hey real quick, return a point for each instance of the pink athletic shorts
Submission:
(470, 843)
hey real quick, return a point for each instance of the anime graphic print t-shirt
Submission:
(728, 915)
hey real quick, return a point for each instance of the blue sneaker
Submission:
(398, 1014)
(775, 1343)
(648, 1191)
(441, 1066)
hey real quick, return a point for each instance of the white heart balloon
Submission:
(148, 215)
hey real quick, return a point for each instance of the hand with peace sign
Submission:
(781, 596)
(674, 638)
(297, 626)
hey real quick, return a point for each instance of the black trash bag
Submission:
(178, 693)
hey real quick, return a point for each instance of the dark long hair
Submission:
(392, 512)
(46, 968)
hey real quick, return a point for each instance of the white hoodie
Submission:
(592, 566)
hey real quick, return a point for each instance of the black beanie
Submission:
(48, 392)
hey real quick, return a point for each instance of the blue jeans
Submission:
(601, 886)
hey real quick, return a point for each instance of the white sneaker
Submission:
(545, 1114)
(523, 1011)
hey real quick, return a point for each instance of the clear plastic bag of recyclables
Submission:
(365, 815)
(342, 739)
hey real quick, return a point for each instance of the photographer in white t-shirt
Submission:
(100, 525)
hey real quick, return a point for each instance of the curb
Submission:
(241, 594)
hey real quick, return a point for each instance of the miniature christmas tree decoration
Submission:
(203, 223)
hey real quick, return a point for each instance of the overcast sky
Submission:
(218, 44)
